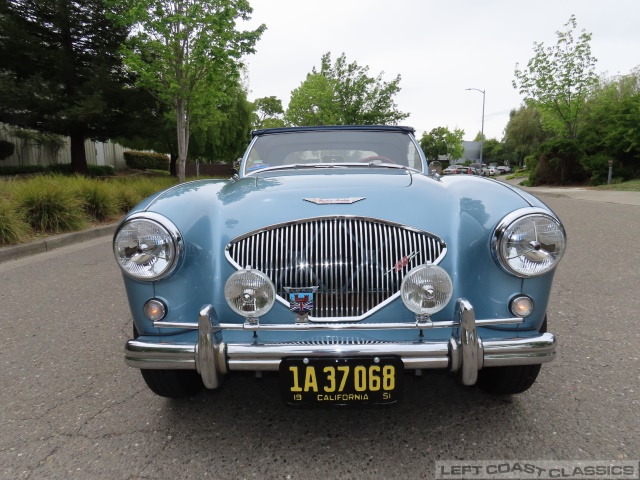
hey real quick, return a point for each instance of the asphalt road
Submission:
(71, 409)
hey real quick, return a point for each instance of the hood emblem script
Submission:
(403, 262)
(334, 201)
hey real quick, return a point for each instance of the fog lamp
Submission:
(155, 310)
(426, 289)
(249, 293)
(521, 306)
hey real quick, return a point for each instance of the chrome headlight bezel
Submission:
(174, 244)
(502, 234)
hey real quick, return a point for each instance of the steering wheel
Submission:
(378, 157)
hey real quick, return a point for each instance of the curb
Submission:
(56, 241)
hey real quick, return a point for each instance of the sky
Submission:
(439, 48)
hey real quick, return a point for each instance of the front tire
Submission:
(173, 383)
(509, 380)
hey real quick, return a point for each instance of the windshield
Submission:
(335, 147)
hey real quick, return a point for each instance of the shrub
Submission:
(49, 205)
(6, 149)
(60, 169)
(146, 160)
(13, 228)
(558, 163)
(21, 169)
(94, 170)
(101, 170)
(597, 166)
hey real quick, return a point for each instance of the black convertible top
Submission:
(328, 128)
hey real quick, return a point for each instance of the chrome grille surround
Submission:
(358, 263)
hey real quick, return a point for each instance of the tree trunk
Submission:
(78, 154)
(183, 138)
(172, 165)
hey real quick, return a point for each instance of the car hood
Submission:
(435, 204)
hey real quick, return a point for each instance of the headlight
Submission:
(426, 289)
(249, 293)
(529, 242)
(147, 247)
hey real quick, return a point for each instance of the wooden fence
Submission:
(30, 152)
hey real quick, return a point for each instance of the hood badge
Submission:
(301, 302)
(334, 201)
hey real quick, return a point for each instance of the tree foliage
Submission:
(343, 93)
(612, 127)
(268, 112)
(559, 79)
(524, 133)
(442, 141)
(188, 53)
(61, 71)
(221, 138)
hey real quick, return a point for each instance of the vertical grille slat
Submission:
(356, 263)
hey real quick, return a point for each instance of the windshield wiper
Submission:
(304, 166)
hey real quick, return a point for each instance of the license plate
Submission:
(341, 381)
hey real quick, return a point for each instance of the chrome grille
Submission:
(357, 263)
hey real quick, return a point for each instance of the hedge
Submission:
(65, 169)
(146, 160)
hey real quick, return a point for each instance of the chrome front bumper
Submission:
(464, 352)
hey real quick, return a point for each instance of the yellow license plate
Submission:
(341, 381)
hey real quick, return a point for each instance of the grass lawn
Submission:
(630, 186)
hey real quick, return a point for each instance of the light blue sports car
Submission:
(335, 260)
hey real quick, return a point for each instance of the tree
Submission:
(524, 133)
(442, 141)
(558, 80)
(269, 112)
(480, 137)
(344, 94)
(61, 73)
(223, 138)
(187, 53)
(611, 129)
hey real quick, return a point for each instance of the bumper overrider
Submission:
(465, 352)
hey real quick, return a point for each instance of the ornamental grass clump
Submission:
(128, 196)
(50, 205)
(150, 185)
(13, 228)
(100, 200)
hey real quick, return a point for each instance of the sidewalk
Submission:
(580, 193)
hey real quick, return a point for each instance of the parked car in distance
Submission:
(334, 261)
(493, 171)
(482, 170)
(449, 170)
(465, 170)
(502, 169)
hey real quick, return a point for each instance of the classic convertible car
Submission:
(335, 260)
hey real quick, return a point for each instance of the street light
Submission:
(482, 130)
